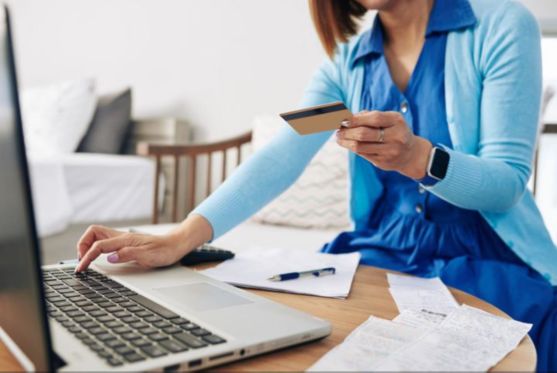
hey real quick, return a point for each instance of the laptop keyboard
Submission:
(116, 323)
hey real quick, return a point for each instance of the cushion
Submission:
(56, 117)
(110, 125)
(319, 198)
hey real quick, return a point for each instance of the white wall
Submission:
(214, 62)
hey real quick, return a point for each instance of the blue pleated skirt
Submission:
(467, 254)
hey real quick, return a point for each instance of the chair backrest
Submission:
(192, 152)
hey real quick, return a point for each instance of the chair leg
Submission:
(155, 216)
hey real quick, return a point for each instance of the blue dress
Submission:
(412, 230)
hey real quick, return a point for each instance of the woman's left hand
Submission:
(384, 139)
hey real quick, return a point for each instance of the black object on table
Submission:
(206, 253)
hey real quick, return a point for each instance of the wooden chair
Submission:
(191, 152)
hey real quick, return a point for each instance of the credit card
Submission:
(328, 117)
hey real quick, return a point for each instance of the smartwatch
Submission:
(437, 166)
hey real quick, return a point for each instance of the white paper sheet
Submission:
(252, 268)
(468, 339)
(367, 346)
(420, 319)
(414, 293)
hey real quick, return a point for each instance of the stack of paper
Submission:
(468, 339)
(414, 293)
(254, 267)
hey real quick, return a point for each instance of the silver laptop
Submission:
(116, 317)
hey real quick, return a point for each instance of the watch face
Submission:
(440, 164)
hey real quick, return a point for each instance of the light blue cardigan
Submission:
(492, 93)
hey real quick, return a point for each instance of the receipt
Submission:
(367, 346)
(467, 339)
(414, 293)
(420, 319)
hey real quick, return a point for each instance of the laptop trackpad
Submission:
(200, 296)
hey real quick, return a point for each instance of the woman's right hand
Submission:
(146, 250)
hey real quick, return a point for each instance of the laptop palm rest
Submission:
(200, 296)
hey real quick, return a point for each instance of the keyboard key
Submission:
(190, 340)
(97, 313)
(148, 331)
(154, 307)
(114, 343)
(96, 330)
(213, 339)
(142, 342)
(124, 350)
(152, 319)
(129, 319)
(135, 309)
(113, 324)
(133, 357)
(200, 332)
(122, 330)
(105, 304)
(105, 337)
(104, 354)
(89, 324)
(105, 318)
(75, 313)
(96, 347)
(74, 329)
(157, 337)
(131, 336)
(153, 351)
(139, 325)
(121, 314)
(114, 362)
(179, 321)
(189, 326)
(128, 304)
(119, 300)
(173, 346)
(112, 295)
(172, 330)
(161, 324)
(144, 313)
(113, 309)
(90, 308)
(82, 319)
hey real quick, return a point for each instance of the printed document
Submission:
(414, 293)
(252, 269)
(467, 339)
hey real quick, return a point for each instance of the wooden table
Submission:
(369, 295)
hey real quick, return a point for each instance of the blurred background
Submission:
(212, 65)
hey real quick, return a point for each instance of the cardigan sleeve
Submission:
(270, 171)
(495, 179)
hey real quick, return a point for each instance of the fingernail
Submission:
(113, 258)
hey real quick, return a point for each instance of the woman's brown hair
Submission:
(335, 21)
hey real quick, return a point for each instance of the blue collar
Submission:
(446, 16)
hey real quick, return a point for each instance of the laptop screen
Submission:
(21, 303)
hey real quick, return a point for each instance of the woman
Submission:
(447, 94)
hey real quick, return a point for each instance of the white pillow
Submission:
(319, 198)
(56, 117)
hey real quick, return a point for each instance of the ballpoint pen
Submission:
(294, 275)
